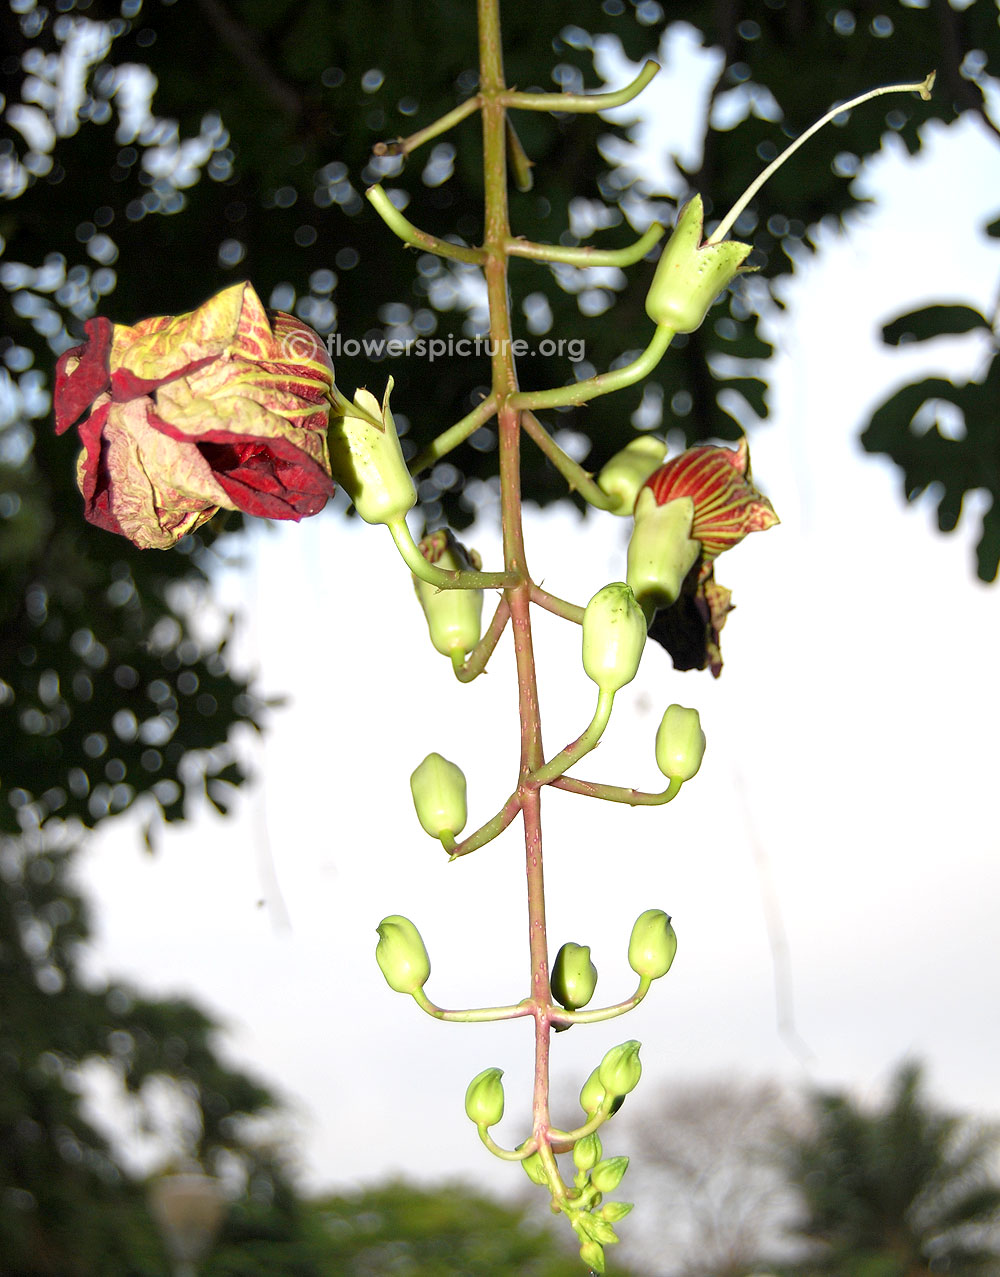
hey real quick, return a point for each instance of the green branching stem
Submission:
(594, 1123)
(559, 607)
(604, 383)
(476, 661)
(584, 256)
(454, 435)
(579, 480)
(409, 234)
(443, 578)
(582, 102)
(475, 1015)
(508, 1154)
(486, 833)
(604, 1013)
(404, 145)
(583, 744)
(618, 794)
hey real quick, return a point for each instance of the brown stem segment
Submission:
(495, 246)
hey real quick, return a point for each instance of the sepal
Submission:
(690, 275)
(367, 461)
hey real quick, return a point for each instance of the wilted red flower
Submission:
(726, 507)
(179, 416)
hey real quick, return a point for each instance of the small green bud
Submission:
(592, 1254)
(534, 1168)
(368, 462)
(629, 469)
(574, 976)
(690, 275)
(587, 1152)
(484, 1098)
(615, 1211)
(680, 743)
(620, 1070)
(614, 634)
(607, 1175)
(438, 789)
(401, 954)
(454, 617)
(593, 1093)
(652, 945)
(661, 551)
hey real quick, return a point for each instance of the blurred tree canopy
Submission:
(899, 1190)
(69, 1205)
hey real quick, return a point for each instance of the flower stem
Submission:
(578, 102)
(559, 607)
(441, 577)
(508, 1154)
(579, 480)
(583, 744)
(605, 1013)
(409, 234)
(584, 256)
(404, 145)
(476, 1015)
(617, 794)
(454, 435)
(486, 833)
(604, 383)
(477, 659)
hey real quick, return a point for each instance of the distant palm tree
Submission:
(902, 1191)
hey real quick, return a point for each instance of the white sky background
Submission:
(852, 737)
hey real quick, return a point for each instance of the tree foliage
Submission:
(901, 1190)
(69, 1204)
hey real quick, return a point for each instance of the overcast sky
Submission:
(850, 779)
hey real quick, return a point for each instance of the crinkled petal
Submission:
(273, 480)
(159, 489)
(82, 374)
(159, 349)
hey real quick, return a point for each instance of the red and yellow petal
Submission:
(726, 504)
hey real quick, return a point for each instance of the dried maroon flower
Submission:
(179, 416)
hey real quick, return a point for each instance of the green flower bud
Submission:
(592, 1254)
(652, 945)
(534, 1168)
(484, 1098)
(607, 1175)
(593, 1093)
(574, 976)
(680, 743)
(615, 1211)
(620, 1070)
(454, 617)
(438, 789)
(661, 551)
(629, 469)
(614, 634)
(401, 954)
(690, 275)
(367, 461)
(587, 1152)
